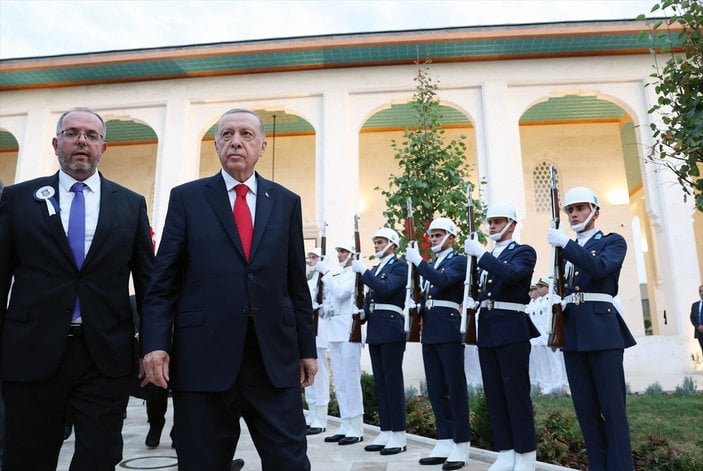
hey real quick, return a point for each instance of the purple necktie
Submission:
(76, 234)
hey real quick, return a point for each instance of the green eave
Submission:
(330, 51)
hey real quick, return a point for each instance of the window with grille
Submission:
(541, 185)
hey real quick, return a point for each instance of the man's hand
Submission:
(470, 303)
(557, 238)
(412, 254)
(155, 368)
(308, 369)
(358, 266)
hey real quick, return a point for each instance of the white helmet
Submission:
(501, 210)
(317, 251)
(444, 224)
(347, 245)
(580, 194)
(389, 234)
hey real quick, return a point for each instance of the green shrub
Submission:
(411, 392)
(687, 388)
(333, 407)
(420, 418)
(657, 454)
(482, 437)
(654, 389)
(368, 392)
(560, 441)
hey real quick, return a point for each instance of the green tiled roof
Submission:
(363, 49)
(128, 131)
(7, 141)
(572, 107)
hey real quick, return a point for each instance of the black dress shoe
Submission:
(374, 447)
(448, 465)
(394, 450)
(237, 464)
(153, 438)
(433, 460)
(350, 440)
(314, 430)
(334, 438)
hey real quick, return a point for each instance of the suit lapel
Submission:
(54, 222)
(265, 197)
(216, 194)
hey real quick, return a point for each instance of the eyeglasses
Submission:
(74, 134)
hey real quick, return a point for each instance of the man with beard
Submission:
(70, 241)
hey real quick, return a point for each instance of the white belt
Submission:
(441, 303)
(489, 304)
(578, 298)
(386, 307)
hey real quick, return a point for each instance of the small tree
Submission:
(678, 140)
(434, 173)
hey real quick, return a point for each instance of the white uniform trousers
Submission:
(318, 394)
(345, 359)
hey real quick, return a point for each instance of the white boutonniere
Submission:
(46, 194)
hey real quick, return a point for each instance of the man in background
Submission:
(697, 317)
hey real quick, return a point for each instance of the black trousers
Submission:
(35, 415)
(207, 423)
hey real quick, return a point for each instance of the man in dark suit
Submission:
(230, 279)
(697, 317)
(70, 241)
(504, 333)
(595, 333)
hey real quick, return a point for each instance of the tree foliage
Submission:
(434, 172)
(678, 138)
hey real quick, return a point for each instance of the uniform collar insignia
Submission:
(598, 236)
(511, 246)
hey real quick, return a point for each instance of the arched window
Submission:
(541, 185)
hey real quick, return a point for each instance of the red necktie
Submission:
(242, 217)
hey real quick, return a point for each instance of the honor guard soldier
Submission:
(442, 350)
(595, 333)
(317, 395)
(345, 356)
(504, 333)
(385, 336)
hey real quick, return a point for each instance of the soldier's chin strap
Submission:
(499, 235)
(437, 248)
(582, 225)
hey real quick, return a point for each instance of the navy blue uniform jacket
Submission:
(388, 287)
(508, 280)
(595, 325)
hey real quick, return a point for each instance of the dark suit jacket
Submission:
(34, 250)
(595, 325)
(695, 320)
(388, 287)
(203, 285)
(508, 280)
(441, 324)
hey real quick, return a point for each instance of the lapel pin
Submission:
(266, 193)
(46, 194)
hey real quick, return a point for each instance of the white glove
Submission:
(412, 254)
(358, 266)
(555, 299)
(470, 303)
(473, 247)
(557, 238)
(315, 306)
(322, 267)
(362, 314)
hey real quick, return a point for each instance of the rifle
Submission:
(556, 280)
(467, 327)
(320, 285)
(412, 319)
(355, 332)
